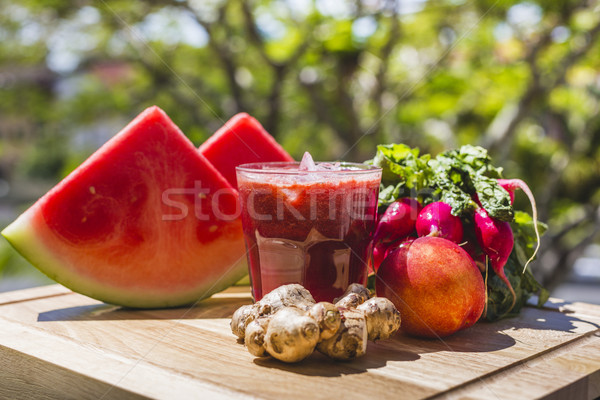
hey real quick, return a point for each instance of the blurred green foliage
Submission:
(334, 77)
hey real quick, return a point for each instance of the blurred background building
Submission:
(335, 77)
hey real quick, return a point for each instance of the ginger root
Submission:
(383, 319)
(288, 324)
(328, 317)
(350, 341)
(355, 295)
(254, 336)
(292, 295)
(291, 335)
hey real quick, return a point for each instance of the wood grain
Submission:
(58, 344)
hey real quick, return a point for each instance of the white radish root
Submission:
(513, 184)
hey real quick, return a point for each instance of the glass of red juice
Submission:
(309, 227)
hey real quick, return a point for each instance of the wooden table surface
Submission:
(59, 344)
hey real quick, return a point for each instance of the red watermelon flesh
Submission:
(146, 221)
(241, 140)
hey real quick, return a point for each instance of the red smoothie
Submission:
(308, 227)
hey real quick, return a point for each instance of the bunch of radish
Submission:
(405, 219)
(459, 196)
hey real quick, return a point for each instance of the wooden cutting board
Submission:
(58, 344)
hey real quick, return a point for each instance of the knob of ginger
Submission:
(288, 324)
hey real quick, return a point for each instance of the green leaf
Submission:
(524, 285)
(402, 165)
(451, 194)
(523, 282)
(499, 296)
(389, 194)
(543, 297)
(524, 232)
(493, 198)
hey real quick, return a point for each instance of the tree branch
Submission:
(279, 69)
(575, 55)
(381, 75)
(221, 51)
(500, 133)
(323, 112)
(563, 265)
(254, 34)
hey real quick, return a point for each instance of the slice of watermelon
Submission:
(241, 140)
(146, 221)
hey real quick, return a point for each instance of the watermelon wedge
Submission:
(241, 140)
(147, 221)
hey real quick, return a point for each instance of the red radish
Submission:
(436, 219)
(398, 244)
(382, 249)
(496, 240)
(398, 220)
(379, 250)
(475, 252)
(510, 185)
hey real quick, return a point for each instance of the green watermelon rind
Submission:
(22, 235)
